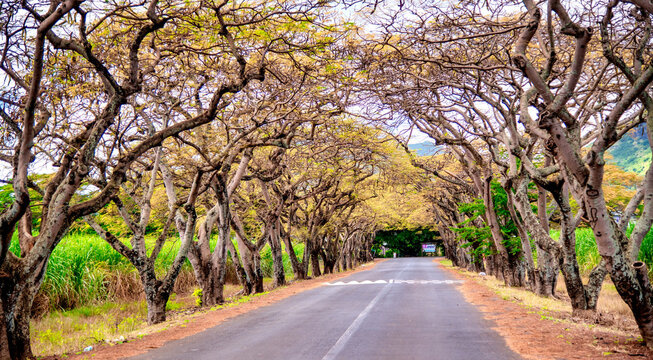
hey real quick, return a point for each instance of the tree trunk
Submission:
(631, 281)
(211, 291)
(248, 268)
(510, 263)
(546, 275)
(325, 261)
(17, 296)
(583, 298)
(548, 251)
(241, 274)
(156, 307)
(477, 261)
(315, 263)
(258, 273)
(278, 276)
(297, 268)
(4, 342)
(490, 265)
(251, 260)
(514, 271)
(534, 275)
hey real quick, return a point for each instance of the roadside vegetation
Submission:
(588, 253)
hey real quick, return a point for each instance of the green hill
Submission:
(424, 148)
(632, 152)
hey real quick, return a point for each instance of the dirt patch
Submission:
(194, 323)
(536, 333)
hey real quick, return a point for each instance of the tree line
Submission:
(219, 125)
(525, 100)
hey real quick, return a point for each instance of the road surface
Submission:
(405, 308)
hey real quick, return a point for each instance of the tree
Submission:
(91, 76)
(631, 281)
(157, 292)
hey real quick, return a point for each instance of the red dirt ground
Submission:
(534, 336)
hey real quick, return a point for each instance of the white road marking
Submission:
(340, 344)
(393, 281)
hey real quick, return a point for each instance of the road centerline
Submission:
(344, 338)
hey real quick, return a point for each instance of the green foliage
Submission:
(7, 198)
(476, 239)
(479, 239)
(81, 267)
(404, 242)
(197, 294)
(172, 305)
(511, 239)
(267, 264)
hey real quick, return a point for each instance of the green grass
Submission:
(67, 332)
(446, 262)
(79, 271)
(267, 265)
(587, 251)
(83, 269)
(61, 332)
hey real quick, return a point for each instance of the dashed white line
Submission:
(393, 281)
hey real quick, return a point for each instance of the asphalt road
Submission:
(403, 308)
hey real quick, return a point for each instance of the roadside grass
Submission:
(84, 270)
(587, 251)
(446, 262)
(610, 302)
(615, 316)
(528, 298)
(64, 332)
(559, 309)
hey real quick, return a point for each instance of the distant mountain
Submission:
(425, 148)
(632, 152)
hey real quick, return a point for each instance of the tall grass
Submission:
(84, 269)
(587, 251)
(267, 264)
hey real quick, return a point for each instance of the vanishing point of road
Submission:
(406, 308)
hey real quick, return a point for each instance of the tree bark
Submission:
(315, 263)
(279, 275)
(241, 274)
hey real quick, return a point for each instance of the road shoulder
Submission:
(539, 333)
